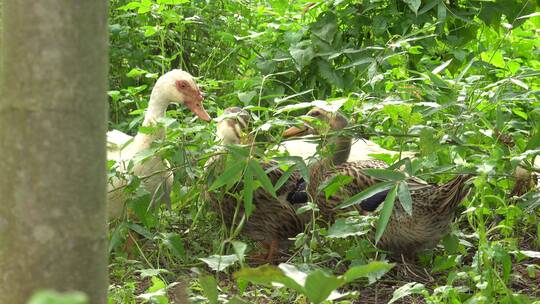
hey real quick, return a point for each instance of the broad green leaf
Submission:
(386, 213)
(230, 174)
(140, 230)
(405, 197)
(328, 73)
(406, 290)
(493, 57)
(385, 174)
(237, 300)
(367, 193)
(302, 53)
(414, 5)
(320, 284)
(326, 27)
(220, 262)
(443, 263)
(428, 6)
(333, 184)
(246, 97)
(174, 242)
(261, 176)
(268, 275)
(373, 271)
(343, 228)
(239, 249)
(209, 286)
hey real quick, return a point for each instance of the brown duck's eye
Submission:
(315, 113)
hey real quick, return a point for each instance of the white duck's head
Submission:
(232, 125)
(178, 86)
(319, 122)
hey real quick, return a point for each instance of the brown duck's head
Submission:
(318, 121)
(232, 125)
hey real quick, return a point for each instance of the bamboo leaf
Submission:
(405, 197)
(261, 176)
(386, 212)
(385, 174)
(367, 193)
(248, 192)
(231, 173)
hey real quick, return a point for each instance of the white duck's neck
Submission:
(156, 110)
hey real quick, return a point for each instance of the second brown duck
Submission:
(433, 206)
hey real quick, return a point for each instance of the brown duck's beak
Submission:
(195, 105)
(295, 131)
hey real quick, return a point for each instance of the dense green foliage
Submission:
(456, 81)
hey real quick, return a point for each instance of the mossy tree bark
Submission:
(52, 148)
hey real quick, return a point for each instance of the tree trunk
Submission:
(52, 148)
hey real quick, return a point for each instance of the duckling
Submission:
(274, 219)
(433, 206)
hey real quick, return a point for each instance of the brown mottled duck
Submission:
(433, 205)
(274, 219)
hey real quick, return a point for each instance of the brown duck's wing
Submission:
(272, 219)
(360, 181)
(275, 173)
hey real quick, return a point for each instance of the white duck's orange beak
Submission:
(195, 105)
(295, 131)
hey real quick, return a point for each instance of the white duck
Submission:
(176, 86)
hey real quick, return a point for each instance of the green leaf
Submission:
(248, 192)
(285, 177)
(385, 174)
(360, 61)
(237, 300)
(328, 73)
(414, 5)
(343, 228)
(173, 241)
(172, 2)
(406, 290)
(209, 286)
(266, 275)
(140, 230)
(367, 193)
(246, 97)
(373, 271)
(239, 249)
(230, 175)
(494, 58)
(302, 53)
(333, 184)
(386, 213)
(220, 262)
(261, 176)
(443, 263)
(326, 27)
(319, 285)
(405, 197)
(152, 272)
